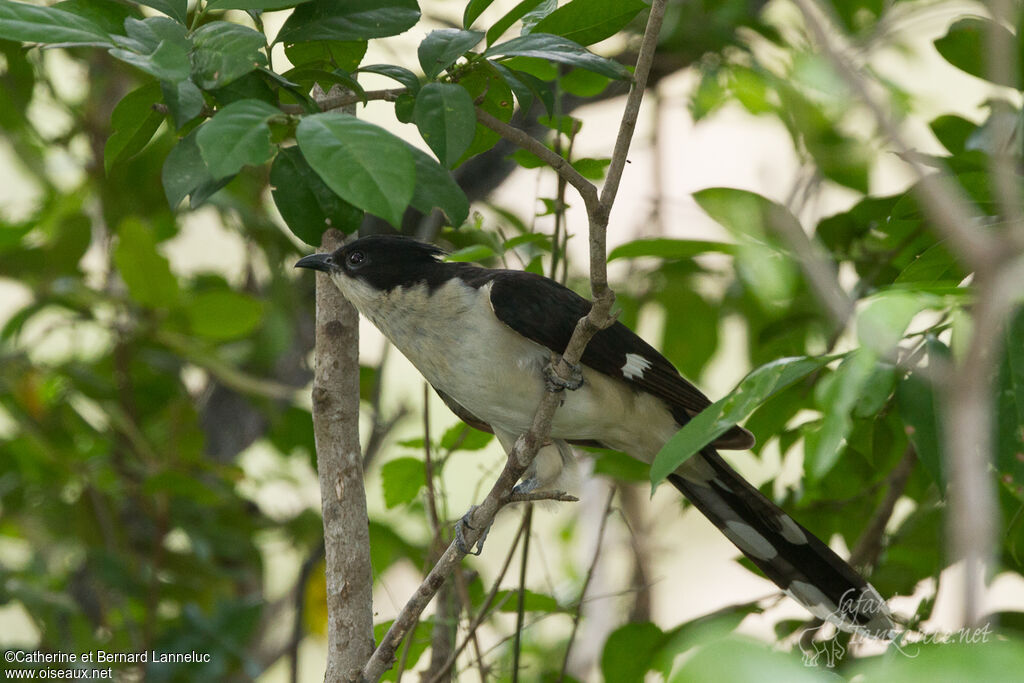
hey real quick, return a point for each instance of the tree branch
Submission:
(942, 200)
(561, 165)
(967, 392)
(869, 545)
(586, 584)
(346, 98)
(339, 464)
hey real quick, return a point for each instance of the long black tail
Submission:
(790, 555)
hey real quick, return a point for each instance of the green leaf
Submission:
(590, 21)
(442, 47)
(255, 85)
(592, 169)
(667, 248)
(742, 659)
(462, 437)
(560, 50)
(690, 334)
(364, 164)
(398, 73)
(144, 270)
(263, 5)
(840, 157)
(916, 400)
(933, 265)
(953, 132)
(175, 9)
(964, 46)
(629, 652)
(27, 23)
(133, 122)
(109, 15)
(474, 8)
(225, 51)
(327, 54)
(446, 119)
(531, 18)
(402, 479)
(184, 99)
(716, 419)
(326, 79)
(435, 187)
(765, 267)
(470, 254)
(512, 16)
(349, 20)
(526, 87)
(387, 547)
(970, 654)
(1010, 409)
(185, 173)
(839, 396)
(883, 320)
(307, 205)
(237, 136)
(583, 83)
(620, 466)
(751, 88)
(223, 314)
(405, 105)
(491, 93)
(157, 45)
(508, 602)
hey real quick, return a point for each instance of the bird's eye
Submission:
(356, 259)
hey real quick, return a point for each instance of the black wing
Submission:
(523, 301)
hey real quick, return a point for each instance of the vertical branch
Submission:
(447, 611)
(967, 406)
(339, 464)
(586, 584)
(967, 391)
(517, 646)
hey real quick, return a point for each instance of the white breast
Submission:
(497, 374)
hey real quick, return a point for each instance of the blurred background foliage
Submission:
(133, 391)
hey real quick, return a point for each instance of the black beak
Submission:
(316, 262)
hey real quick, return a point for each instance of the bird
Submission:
(483, 337)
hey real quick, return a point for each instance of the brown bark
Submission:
(339, 463)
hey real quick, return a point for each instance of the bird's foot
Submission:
(528, 485)
(460, 535)
(554, 383)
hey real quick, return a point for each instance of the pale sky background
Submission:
(693, 568)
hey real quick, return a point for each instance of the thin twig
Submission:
(558, 496)
(488, 602)
(463, 590)
(347, 99)
(298, 632)
(941, 198)
(517, 642)
(586, 584)
(561, 165)
(869, 545)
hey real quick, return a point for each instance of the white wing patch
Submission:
(635, 366)
(749, 540)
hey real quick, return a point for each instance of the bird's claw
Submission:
(460, 535)
(554, 383)
(528, 485)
